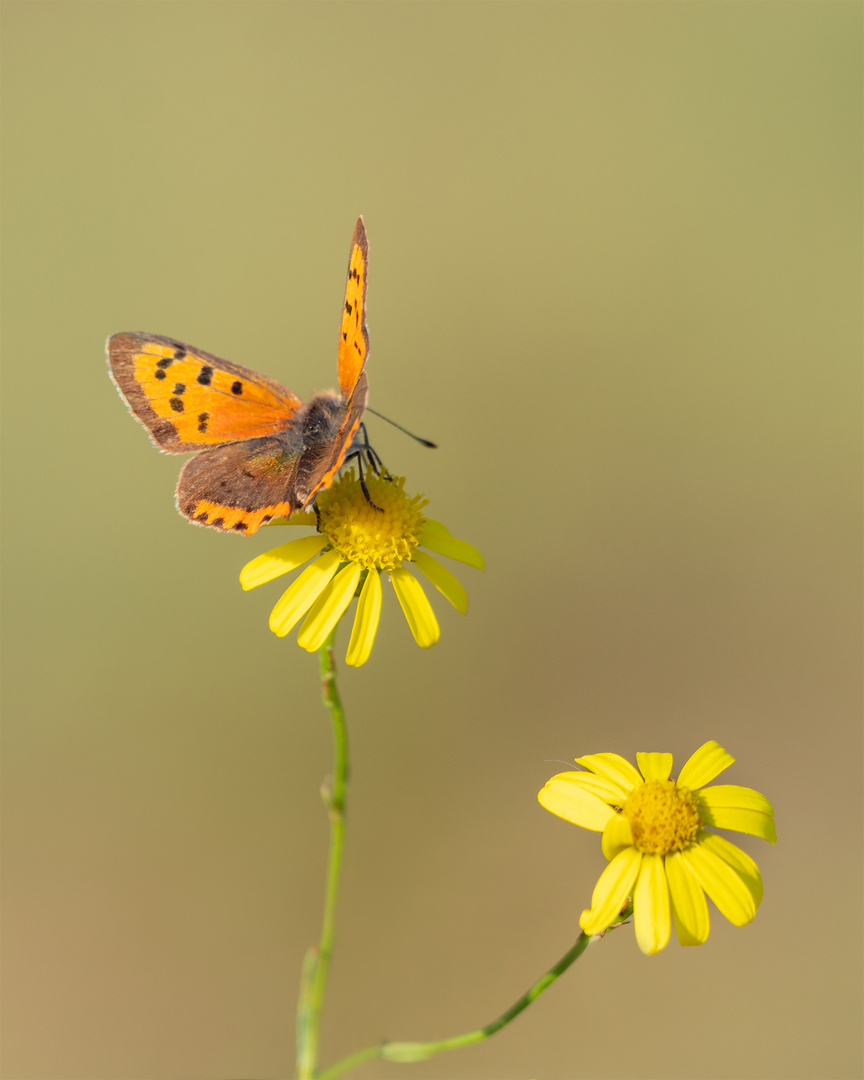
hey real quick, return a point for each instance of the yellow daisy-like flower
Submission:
(655, 840)
(355, 544)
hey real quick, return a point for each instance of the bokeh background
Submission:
(616, 274)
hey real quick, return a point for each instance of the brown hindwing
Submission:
(239, 487)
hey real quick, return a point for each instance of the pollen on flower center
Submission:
(375, 539)
(663, 817)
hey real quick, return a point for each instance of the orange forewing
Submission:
(188, 399)
(353, 335)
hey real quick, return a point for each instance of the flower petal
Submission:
(574, 803)
(329, 608)
(418, 610)
(302, 593)
(365, 621)
(732, 796)
(617, 835)
(746, 821)
(655, 766)
(739, 860)
(727, 806)
(722, 883)
(437, 537)
(611, 891)
(442, 579)
(689, 907)
(651, 906)
(299, 517)
(280, 560)
(612, 767)
(702, 766)
(604, 789)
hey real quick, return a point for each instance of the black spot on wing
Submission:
(237, 387)
(179, 387)
(176, 404)
(160, 374)
(166, 361)
(205, 375)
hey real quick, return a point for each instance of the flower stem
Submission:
(419, 1051)
(316, 967)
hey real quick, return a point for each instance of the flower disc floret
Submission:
(374, 539)
(663, 817)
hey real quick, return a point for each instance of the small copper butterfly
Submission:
(264, 452)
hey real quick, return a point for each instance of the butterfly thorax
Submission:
(320, 422)
(320, 418)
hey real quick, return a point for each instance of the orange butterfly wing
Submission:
(188, 399)
(353, 335)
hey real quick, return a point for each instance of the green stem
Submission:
(317, 965)
(419, 1051)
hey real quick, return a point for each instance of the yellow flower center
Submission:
(663, 817)
(376, 539)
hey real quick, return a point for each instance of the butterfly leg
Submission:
(363, 445)
(358, 454)
(373, 460)
(363, 485)
(375, 463)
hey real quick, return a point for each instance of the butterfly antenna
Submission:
(423, 442)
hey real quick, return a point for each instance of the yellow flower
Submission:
(355, 544)
(658, 850)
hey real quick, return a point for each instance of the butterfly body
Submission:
(264, 453)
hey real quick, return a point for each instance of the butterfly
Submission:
(264, 453)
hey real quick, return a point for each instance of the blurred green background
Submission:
(615, 273)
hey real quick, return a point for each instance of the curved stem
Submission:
(418, 1051)
(317, 965)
